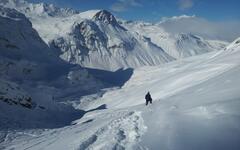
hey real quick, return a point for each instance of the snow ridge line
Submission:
(121, 133)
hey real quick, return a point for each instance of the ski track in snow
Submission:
(120, 130)
(132, 125)
(196, 100)
(121, 133)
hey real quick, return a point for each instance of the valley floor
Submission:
(196, 106)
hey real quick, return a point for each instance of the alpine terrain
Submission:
(76, 80)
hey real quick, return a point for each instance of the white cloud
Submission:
(175, 18)
(220, 30)
(118, 7)
(124, 5)
(185, 4)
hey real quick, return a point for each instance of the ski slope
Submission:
(196, 106)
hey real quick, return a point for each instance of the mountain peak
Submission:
(105, 16)
(37, 9)
(234, 45)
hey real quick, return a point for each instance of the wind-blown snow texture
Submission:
(50, 100)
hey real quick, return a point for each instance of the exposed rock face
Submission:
(92, 36)
(12, 94)
(105, 17)
(100, 42)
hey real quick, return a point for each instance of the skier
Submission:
(148, 98)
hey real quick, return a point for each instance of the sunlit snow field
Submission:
(196, 106)
(73, 80)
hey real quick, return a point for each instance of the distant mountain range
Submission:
(96, 39)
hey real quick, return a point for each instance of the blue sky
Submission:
(154, 10)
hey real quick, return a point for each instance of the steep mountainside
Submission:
(32, 76)
(100, 42)
(21, 46)
(175, 44)
(95, 39)
(62, 86)
(195, 101)
(234, 46)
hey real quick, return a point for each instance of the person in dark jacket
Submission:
(148, 98)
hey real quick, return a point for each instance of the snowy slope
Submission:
(196, 106)
(24, 55)
(234, 46)
(12, 94)
(196, 100)
(19, 44)
(176, 44)
(32, 76)
(214, 30)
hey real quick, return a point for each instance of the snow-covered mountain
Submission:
(48, 101)
(95, 38)
(32, 74)
(196, 101)
(234, 46)
(214, 30)
(176, 44)
(92, 39)
(100, 42)
(38, 9)
(19, 44)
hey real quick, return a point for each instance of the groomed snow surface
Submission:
(196, 107)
